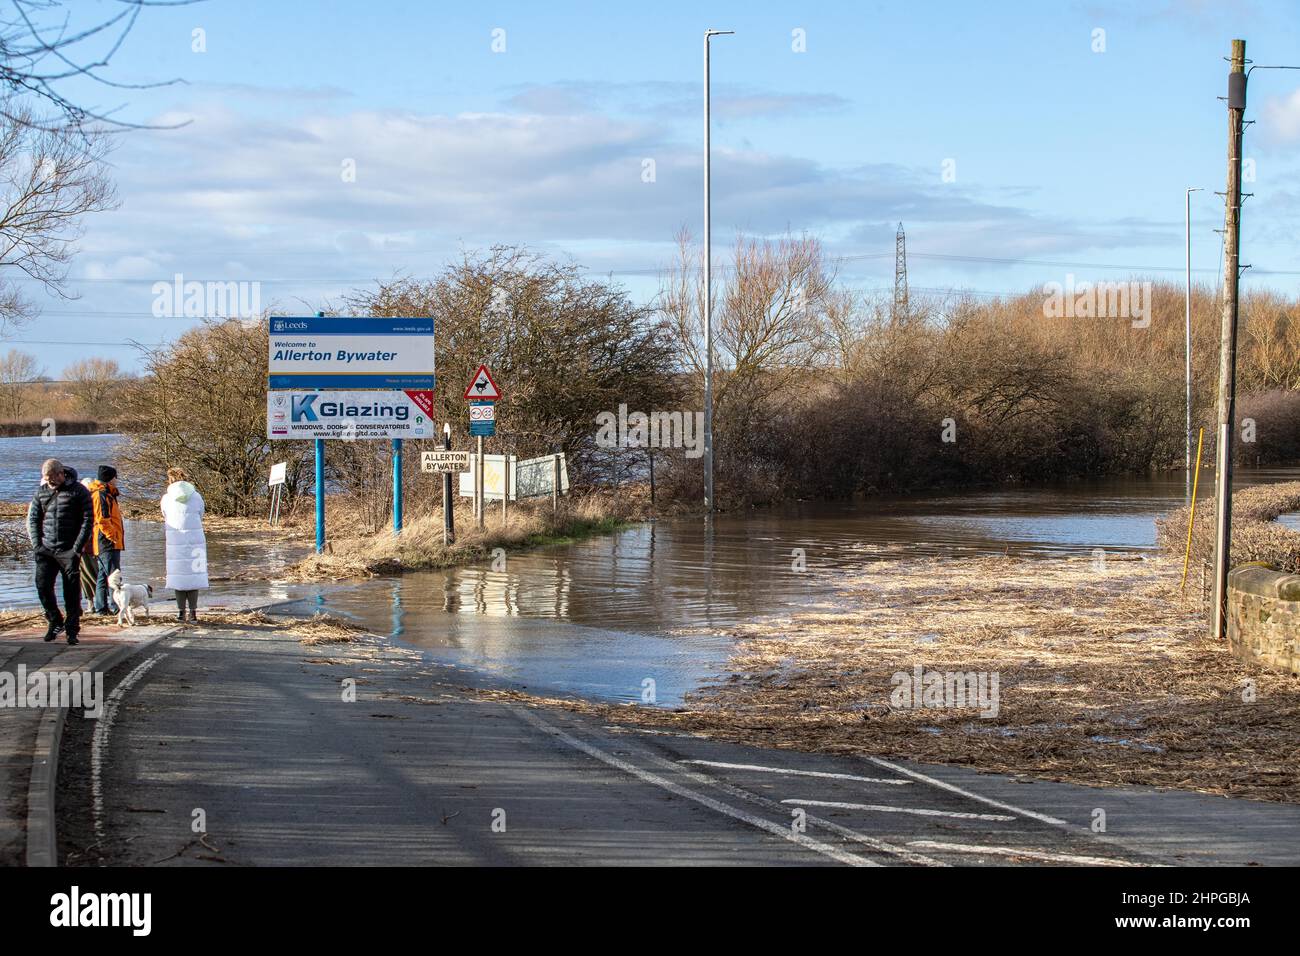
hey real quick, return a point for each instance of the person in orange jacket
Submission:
(108, 536)
(88, 563)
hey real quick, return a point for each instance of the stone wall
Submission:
(1264, 617)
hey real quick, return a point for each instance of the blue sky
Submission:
(1071, 157)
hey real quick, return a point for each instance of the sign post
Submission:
(505, 490)
(397, 486)
(482, 394)
(320, 495)
(448, 514)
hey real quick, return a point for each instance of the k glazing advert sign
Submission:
(351, 416)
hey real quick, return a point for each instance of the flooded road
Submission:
(601, 617)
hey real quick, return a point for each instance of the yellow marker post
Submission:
(1191, 518)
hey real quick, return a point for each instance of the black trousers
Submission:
(66, 564)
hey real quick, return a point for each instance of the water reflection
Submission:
(601, 616)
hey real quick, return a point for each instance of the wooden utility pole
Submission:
(1227, 404)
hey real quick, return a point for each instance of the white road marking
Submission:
(650, 732)
(183, 642)
(953, 788)
(99, 742)
(1028, 854)
(881, 808)
(880, 846)
(718, 806)
(798, 773)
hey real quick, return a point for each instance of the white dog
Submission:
(127, 596)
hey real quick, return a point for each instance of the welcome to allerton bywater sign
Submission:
(316, 352)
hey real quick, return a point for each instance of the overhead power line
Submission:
(657, 270)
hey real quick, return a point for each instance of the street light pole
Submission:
(708, 285)
(1187, 245)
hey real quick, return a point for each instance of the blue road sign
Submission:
(483, 419)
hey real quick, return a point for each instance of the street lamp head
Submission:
(717, 33)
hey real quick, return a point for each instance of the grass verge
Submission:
(1256, 534)
(419, 546)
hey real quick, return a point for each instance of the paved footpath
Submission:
(228, 747)
(23, 652)
(27, 733)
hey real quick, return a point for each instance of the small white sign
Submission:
(453, 461)
(482, 413)
(278, 473)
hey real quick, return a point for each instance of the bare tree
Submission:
(94, 384)
(770, 322)
(18, 371)
(570, 346)
(201, 404)
(42, 47)
(49, 179)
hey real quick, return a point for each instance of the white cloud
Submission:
(1279, 118)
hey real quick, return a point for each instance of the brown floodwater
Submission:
(600, 617)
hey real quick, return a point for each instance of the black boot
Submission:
(52, 632)
(72, 640)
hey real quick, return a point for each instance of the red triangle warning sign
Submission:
(481, 386)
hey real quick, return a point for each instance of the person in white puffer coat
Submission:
(187, 548)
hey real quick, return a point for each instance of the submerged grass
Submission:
(320, 628)
(420, 547)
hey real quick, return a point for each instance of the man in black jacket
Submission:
(59, 520)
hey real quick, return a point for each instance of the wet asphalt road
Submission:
(223, 748)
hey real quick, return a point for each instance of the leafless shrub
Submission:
(201, 404)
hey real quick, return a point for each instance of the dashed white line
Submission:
(798, 773)
(99, 742)
(1028, 854)
(953, 788)
(718, 806)
(882, 808)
